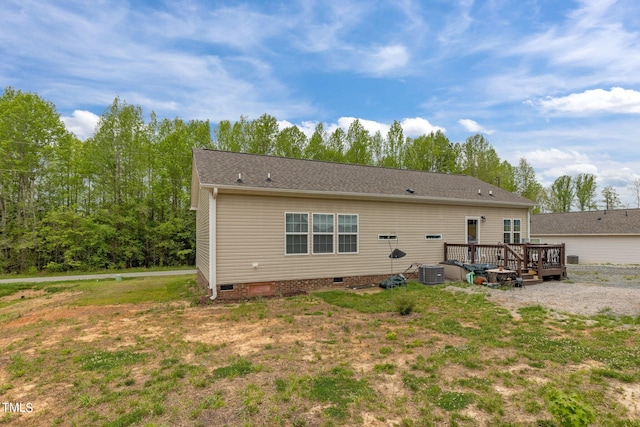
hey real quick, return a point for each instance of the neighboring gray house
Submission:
(276, 226)
(595, 237)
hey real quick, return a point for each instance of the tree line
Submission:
(121, 198)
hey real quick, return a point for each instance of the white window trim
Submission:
(513, 226)
(357, 234)
(332, 234)
(295, 234)
(466, 228)
(512, 230)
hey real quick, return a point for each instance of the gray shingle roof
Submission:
(222, 168)
(619, 221)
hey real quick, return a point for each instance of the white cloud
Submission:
(386, 59)
(414, 127)
(473, 126)
(616, 100)
(411, 127)
(553, 156)
(81, 123)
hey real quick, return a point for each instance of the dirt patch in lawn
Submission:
(288, 346)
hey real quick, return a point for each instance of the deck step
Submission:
(527, 282)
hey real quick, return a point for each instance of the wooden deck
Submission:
(528, 260)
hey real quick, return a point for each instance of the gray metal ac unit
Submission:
(431, 274)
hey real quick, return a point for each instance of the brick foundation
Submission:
(280, 288)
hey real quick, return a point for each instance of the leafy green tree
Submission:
(610, 199)
(525, 181)
(431, 153)
(359, 144)
(561, 194)
(30, 128)
(505, 176)
(119, 164)
(479, 159)
(585, 185)
(233, 137)
(290, 142)
(262, 135)
(337, 144)
(393, 147)
(317, 148)
(66, 171)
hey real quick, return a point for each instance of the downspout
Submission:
(529, 225)
(213, 195)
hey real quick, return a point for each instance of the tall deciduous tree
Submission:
(525, 181)
(290, 142)
(561, 194)
(233, 137)
(479, 159)
(30, 128)
(317, 148)
(336, 147)
(431, 153)
(585, 184)
(119, 152)
(359, 144)
(610, 198)
(393, 147)
(262, 136)
(635, 190)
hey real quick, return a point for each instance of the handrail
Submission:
(516, 256)
(546, 259)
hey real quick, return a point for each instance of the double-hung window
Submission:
(517, 231)
(347, 233)
(506, 230)
(323, 228)
(297, 233)
(512, 230)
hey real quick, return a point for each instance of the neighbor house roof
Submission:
(235, 172)
(618, 221)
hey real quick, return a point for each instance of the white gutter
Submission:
(212, 243)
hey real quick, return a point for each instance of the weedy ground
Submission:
(142, 352)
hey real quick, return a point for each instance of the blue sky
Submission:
(554, 81)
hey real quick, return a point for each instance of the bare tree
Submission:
(635, 189)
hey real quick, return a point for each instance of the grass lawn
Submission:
(142, 352)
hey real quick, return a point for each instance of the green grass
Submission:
(122, 356)
(135, 290)
(101, 271)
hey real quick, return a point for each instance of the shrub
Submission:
(404, 304)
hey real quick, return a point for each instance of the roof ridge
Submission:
(333, 162)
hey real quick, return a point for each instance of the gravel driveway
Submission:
(589, 290)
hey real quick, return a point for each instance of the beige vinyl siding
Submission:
(202, 233)
(251, 236)
(595, 249)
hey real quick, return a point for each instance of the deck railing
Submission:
(545, 259)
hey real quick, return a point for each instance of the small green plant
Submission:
(570, 410)
(453, 400)
(391, 336)
(386, 368)
(386, 350)
(404, 304)
(239, 368)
